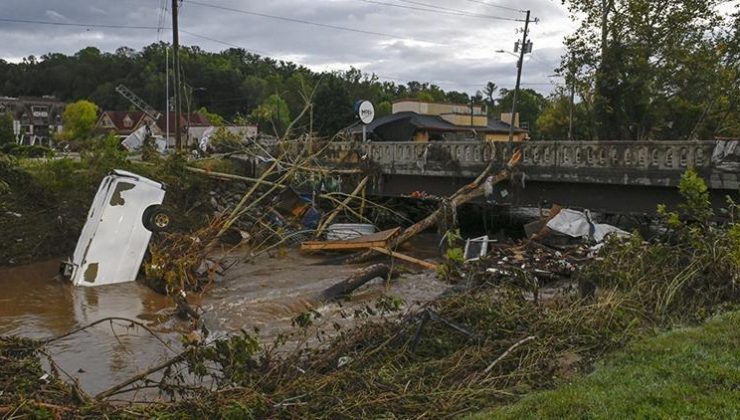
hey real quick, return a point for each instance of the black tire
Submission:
(156, 219)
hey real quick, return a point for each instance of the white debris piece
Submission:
(578, 224)
(135, 140)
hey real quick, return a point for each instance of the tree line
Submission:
(233, 84)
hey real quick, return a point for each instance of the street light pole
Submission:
(178, 89)
(519, 65)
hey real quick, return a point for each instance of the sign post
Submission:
(366, 113)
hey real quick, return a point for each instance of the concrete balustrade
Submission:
(608, 162)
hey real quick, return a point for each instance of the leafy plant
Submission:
(690, 272)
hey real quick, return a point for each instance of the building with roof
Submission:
(35, 120)
(123, 123)
(414, 120)
(195, 126)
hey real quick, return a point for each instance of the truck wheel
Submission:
(156, 219)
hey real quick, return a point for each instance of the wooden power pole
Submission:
(520, 64)
(176, 64)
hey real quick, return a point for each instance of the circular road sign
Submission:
(365, 111)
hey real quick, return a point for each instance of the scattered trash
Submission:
(135, 140)
(578, 224)
(343, 361)
(345, 231)
(726, 155)
(475, 248)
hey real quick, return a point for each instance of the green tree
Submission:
(554, 121)
(530, 105)
(383, 108)
(79, 120)
(274, 113)
(490, 93)
(655, 69)
(213, 118)
(7, 135)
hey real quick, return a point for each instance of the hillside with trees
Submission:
(230, 83)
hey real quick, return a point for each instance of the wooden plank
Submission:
(379, 239)
(340, 245)
(383, 236)
(403, 257)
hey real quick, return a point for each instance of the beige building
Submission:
(419, 121)
(467, 117)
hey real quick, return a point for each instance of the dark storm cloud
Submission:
(455, 52)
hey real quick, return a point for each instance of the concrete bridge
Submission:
(624, 177)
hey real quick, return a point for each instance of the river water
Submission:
(264, 295)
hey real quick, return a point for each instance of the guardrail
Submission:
(649, 155)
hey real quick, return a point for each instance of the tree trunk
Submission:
(357, 279)
(462, 196)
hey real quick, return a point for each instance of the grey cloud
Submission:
(461, 56)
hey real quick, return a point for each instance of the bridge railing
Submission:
(647, 155)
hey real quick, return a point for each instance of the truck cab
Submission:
(124, 213)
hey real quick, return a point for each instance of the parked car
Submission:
(124, 213)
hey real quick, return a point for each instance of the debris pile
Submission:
(534, 262)
(224, 196)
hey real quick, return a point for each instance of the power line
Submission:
(439, 11)
(433, 6)
(161, 21)
(218, 41)
(496, 6)
(80, 25)
(307, 22)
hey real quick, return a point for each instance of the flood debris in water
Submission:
(124, 213)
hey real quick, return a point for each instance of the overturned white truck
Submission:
(124, 213)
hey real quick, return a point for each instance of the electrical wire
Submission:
(307, 22)
(496, 6)
(439, 11)
(434, 6)
(161, 20)
(79, 25)
(229, 44)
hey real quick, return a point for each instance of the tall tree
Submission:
(655, 68)
(490, 92)
(554, 121)
(530, 105)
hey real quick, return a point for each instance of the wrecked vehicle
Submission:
(124, 213)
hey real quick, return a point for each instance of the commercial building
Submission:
(419, 121)
(35, 120)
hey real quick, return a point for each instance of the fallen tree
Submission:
(464, 195)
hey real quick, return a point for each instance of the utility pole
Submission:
(572, 74)
(176, 65)
(519, 65)
(471, 112)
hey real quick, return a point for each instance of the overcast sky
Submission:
(446, 46)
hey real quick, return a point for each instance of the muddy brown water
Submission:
(266, 295)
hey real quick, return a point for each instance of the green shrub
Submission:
(686, 274)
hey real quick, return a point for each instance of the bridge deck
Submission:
(622, 176)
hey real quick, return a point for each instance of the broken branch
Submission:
(508, 351)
